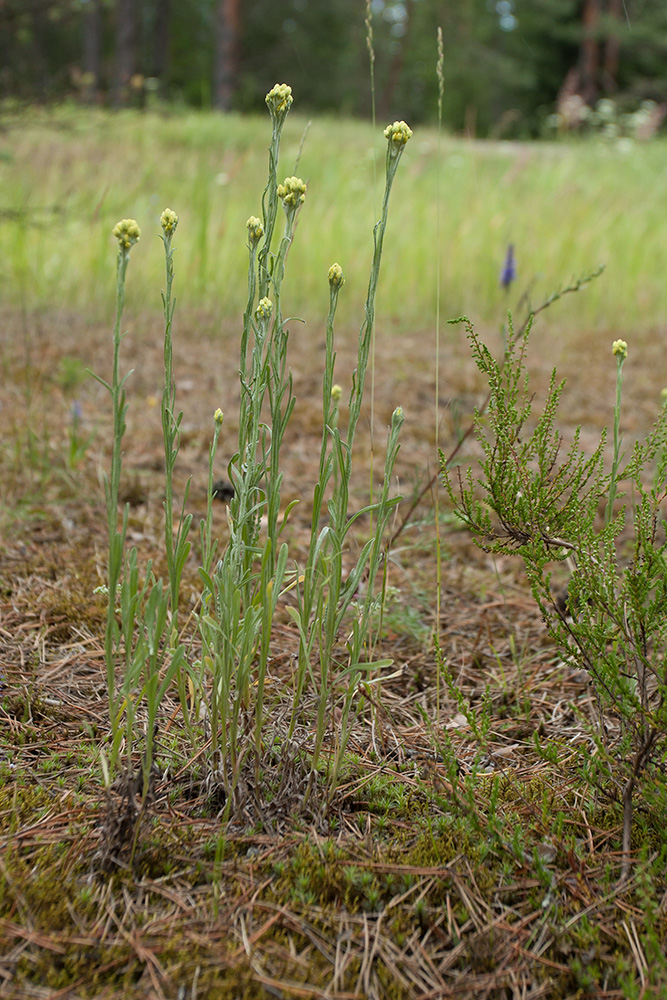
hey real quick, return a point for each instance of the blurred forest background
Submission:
(509, 64)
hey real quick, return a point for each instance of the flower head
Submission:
(336, 276)
(508, 273)
(620, 349)
(127, 233)
(336, 392)
(169, 221)
(279, 100)
(218, 417)
(292, 192)
(398, 134)
(255, 230)
(264, 309)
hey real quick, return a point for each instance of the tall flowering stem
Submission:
(308, 595)
(327, 593)
(397, 136)
(177, 548)
(278, 101)
(127, 233)
(620, 352)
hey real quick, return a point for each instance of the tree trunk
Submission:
(612, 47)
(161, 42)
(92, 47)
(590, 56)
(125, 55)
(386, 110)
(226, 53)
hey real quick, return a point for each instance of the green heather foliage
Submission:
(244, 585)
(535, 501)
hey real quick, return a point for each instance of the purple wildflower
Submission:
(508, 273)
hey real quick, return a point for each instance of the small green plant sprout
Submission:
(530, 500)
(78, 442)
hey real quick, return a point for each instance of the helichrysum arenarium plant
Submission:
(242, 587)
(241, 593)
(531, 500)
(143, 647)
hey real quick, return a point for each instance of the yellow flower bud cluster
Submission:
(127, 233)
(620, 347)
(264, 308)
(255, 229)
(336, 276)
(279, 99)
(292, 192)
(336, 392)
(398, 133)
(218, 417)
(169, 221)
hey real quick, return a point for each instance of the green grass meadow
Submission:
(67, 176)
(417, 809)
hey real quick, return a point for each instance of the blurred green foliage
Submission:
(505, 61)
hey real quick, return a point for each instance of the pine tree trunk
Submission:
(226, 54)
(125, 56)
(92, 47)
(161, 42)
(612, 48)
(590, 54)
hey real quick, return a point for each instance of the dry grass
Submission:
(440, 868)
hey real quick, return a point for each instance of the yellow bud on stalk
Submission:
(127, 233)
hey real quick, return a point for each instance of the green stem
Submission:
(613, 485)
(112, 490)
